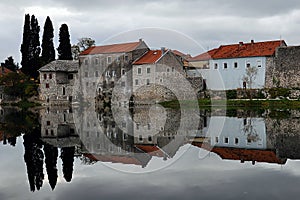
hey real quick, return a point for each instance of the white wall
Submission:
(231, 78)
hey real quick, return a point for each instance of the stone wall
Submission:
(285, 71)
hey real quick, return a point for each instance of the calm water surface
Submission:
(64, 153)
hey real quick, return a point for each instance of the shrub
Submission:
(231, 94)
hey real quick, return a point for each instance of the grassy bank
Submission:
(243, 104)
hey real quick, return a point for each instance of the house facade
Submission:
(58, 80)
(225, 68)
(157, 76)
(104, 67)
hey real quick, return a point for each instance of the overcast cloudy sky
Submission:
(170, 23)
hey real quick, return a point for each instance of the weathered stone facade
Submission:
(58, 82)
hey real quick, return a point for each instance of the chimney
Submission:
(140, 40)
(252, 41)
(241, 43)
(163, 50)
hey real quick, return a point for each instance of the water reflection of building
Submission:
(244, 139)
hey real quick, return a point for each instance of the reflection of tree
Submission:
(67, 156)
(51, 154)
(34, 159)
(250, 130)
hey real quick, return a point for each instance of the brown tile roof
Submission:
(256, 155)
(204, 56)
(112, 48)
(114, 159)
(151, 150)
(149, 58)
(252, 49)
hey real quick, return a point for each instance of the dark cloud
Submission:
(210, 23)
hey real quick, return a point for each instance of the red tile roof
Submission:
(114, 159)
(256, 155)
(252, 49)
(149, 58)
(113, 48)
(204, 56)
(151, 150)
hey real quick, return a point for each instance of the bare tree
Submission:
(249, 77)
(83, 44)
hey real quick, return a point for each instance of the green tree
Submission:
(64, 48)
(83, 44)
(10, 64)
(25, 45)
(48, 51)
(14, 84)
(30, 47)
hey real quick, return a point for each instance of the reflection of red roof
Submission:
(113, 48)
(151, 150)
(149, 58)
(268, 156)
(252, 49)
(114, 159)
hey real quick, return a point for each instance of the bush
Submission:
(231, 94)
(279, 92)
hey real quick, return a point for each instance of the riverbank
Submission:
(237, 103)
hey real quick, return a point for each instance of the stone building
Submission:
(224, 68)
(285, 71)
(102, 68)
(57, 81)
(159, 76)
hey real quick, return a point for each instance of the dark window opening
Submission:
(70, 76)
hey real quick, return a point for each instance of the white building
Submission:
(224, 68)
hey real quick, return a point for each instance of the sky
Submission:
(191, 26)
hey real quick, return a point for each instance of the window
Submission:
(137, 126)
(123, 71)
(87, 84)
(148, 81)
(126, 58)
(50, 76)
(70, 76)
(52, 133)
(148, 70)
(236, 141)
(259, 63)
(48, 123)
(96, 73)
(225, 65)
(136, 82)
(168, 69)
(72, 131)
(113, 73)
(86, 74)
(86, 62)
(63, 91)
(172, 69)
(46, 132)
(139, 71)
(96, 61)
(216, 65)
(248, 64)
(109, 60)
(47, 85)
(149, 126)
(216, 139)
(140, 138)
(107, 74)
(235, 65)
(149, 138)
(123, 83)
(226, 140)
(45, 76)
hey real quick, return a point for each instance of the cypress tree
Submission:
(25, 44)
(64, 48)
(48, 51)
(35, 49)
(30, 47)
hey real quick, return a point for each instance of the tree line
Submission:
(35, 55)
